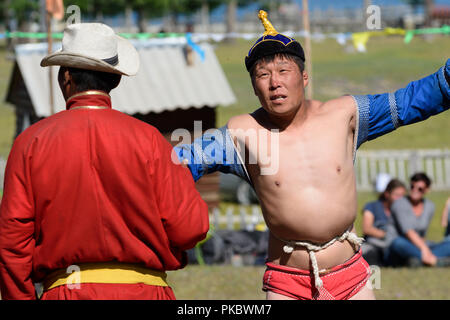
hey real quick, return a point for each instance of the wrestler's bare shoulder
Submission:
(343, 108)
(341, 104)
(254, 120)
(258, 119)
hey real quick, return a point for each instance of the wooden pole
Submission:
(43, 13)
(366, 4)
(231, 19)
(50, 69)
(429, 5)
(205, 16)
(306, 27)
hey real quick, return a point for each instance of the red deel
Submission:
(92, 184)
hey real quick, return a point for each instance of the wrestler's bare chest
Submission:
(320, 149)
(304, 177)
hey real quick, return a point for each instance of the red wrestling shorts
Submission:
(109, 291)
(340, 282)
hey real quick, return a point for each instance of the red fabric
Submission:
(89, 185)
(106, 291)
(341, 283)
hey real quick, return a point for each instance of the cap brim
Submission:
(128, 64)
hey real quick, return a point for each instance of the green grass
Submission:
(388, 65)
(244, 283)
(225, 282)
(7, 118)
(435, 231)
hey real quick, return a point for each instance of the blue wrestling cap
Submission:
(271, 43)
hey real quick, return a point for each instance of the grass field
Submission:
(389, 64)
(435, 231)
(244, 283)
(7, 118)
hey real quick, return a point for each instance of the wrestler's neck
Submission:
(293, 119)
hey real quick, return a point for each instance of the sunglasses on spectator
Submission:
(420, 189)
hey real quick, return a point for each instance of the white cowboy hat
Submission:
(95, 46)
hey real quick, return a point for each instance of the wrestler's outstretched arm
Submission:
(382, 113)
(214, 151)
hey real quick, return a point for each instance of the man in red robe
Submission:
(93, 191)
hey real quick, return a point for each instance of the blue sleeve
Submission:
(214, 151)
(382, 113)
(369, 207)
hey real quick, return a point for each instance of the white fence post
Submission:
(402, 164)
(230, 218)
(2, 171)
(237, 217)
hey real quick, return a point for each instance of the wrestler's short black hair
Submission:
(94, 80)
(421, 176)
(270, 44)
(267, 59)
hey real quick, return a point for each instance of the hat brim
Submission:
(128, 64)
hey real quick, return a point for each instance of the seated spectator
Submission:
(375, 219)
(446, 220)
(406, 231)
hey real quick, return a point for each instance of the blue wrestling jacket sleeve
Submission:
(382, 113)
(213, 151)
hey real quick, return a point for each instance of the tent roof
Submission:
(164, 82)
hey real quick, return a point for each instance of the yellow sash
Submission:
(108, 272)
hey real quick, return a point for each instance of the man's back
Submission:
(100, 186)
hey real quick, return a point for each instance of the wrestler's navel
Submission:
(277, 183)
(339, 169)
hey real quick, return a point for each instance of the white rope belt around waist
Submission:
(312, 248)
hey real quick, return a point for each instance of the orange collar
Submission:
(92, 99)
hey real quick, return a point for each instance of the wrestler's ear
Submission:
(61, 75)
(253, 86)
(65, 82)
(305, 77)
(67, 77)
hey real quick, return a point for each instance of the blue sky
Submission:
(326, 4)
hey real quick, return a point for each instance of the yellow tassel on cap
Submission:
(270, 30)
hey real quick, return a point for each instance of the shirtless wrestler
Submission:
(309, 203)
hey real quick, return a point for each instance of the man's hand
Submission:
(428, 257)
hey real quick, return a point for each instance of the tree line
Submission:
(25, 11)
